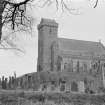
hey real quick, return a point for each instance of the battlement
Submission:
(47, 22)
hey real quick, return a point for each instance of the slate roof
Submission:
(80, 45)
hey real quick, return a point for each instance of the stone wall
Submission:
(53, 99)
(47, 34)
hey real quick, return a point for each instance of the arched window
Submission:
(78, 66)
(84, 66)
(71, 65)
(104, 64)
(39, 68)
(74, 65)
(65, 66)
(62, 87)
(59, 60)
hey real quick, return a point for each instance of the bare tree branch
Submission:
(13, 14)
(96, 3)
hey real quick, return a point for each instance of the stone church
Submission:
(81, 61)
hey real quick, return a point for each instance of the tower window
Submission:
(50, 31)
(85, 66)
(65, 65)
(62, 87)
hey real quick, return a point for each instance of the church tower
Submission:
(47, 34)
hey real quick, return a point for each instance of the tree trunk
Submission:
(1, 12)
(0, 26)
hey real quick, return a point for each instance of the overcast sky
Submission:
(86, 24)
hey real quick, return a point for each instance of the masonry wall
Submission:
(47, 34)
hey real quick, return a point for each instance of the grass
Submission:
(79, 99)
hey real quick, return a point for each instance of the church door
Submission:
(74, 87)
(62, 87)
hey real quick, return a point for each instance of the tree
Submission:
(13, 12)
(4, 82)
(10, 82)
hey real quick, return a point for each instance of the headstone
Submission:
(81, 86)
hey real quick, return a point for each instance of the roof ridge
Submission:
(79, 40)
(74, 44)
(102, 45)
